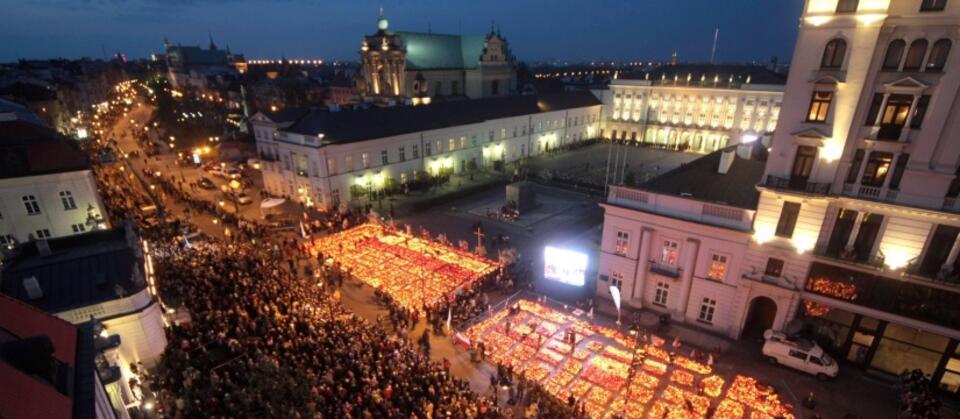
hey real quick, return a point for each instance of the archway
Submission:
(760, 317)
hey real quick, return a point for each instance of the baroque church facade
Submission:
(420, 65)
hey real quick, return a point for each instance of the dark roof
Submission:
(29, 395)
(346, 126)
(81, 270)
(722, 72)
(27, 149)
(700, 180)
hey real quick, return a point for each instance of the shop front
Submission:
(884, 324)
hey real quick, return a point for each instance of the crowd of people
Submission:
(917, 400)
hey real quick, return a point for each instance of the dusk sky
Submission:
(332, 29)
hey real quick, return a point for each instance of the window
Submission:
(915, 55)
(426, 150)
(891, 61)
(438, 88)
(349, 163)
(788, 219)
(920, 111)
(855, 166)
(454, 88)
(774, 268)
(623, 243)
(616, 279)
(670, 253)
(66, 198)
(932, 5)
(384, 159)
(331, 167)
(416, 151)
(718, 267)
(451, 144)
(365, 158)
(403, 154)
(31, 204)
(819, 106)
(876, 170)
(898, 170)
(663, 291)
(78, 228)
(43, 233)
(495, 87)
(847, 6)
(707, 308)
(8, 240)
(797, 354)
(938, 55)
(463, 143)
(833, 54)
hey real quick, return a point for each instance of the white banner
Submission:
(615, 293)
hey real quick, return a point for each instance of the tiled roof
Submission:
(27, 149)
(365, 124)
(700, 180)
(81, 270)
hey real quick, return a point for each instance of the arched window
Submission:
(938, 55)
(894, 54)
(915, 55)
(833, 54)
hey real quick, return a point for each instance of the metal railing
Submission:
(796, 184)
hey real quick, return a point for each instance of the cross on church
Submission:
(480, 235)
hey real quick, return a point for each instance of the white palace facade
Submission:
(328, 157)
(693, 107)
(855, 234)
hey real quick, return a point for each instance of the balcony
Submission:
(873, 193)
(851, 258)
(797, 184)
(889, 132)
(665, 270)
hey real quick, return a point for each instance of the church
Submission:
(420, 66)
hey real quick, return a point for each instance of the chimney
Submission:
(726, 160)
(43, 247)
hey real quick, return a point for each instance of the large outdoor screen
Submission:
(564, 266)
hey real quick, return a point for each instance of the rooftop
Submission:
(79, 271)
(740, 74)
(65, 393)
(347, 126)
(700, 180)
(28, 149)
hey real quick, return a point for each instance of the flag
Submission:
(615, 293)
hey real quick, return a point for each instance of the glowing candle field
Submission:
(414, 271)
(597, 369)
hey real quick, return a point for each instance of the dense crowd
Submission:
(917, 400)
(264, 343)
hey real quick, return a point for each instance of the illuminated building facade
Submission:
(676, 244)
(332, 156)
(857, 229)
(418, 65)
(693, 107)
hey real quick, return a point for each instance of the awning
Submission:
(271, 203)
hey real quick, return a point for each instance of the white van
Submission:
(800, 354)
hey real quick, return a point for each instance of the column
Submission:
(643, 257)
(952, 257)
(853, 233)
(690, 252)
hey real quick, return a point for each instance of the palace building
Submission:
(855, 234)
(428, 65)
(331, 156)
(693, 107)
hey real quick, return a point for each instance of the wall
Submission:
(14, 219)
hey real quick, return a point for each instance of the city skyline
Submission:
(332, 30)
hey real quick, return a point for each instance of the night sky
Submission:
(332, 29)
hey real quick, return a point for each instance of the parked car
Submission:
(205, 183)
(799, 354)
(243, 198)
(232, 173)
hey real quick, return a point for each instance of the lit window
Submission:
(819, 106)
(452, 144)
(707, 308)
(623, 243)
(774, 268)
(670, 253)
(718, 267)
(365, 158)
